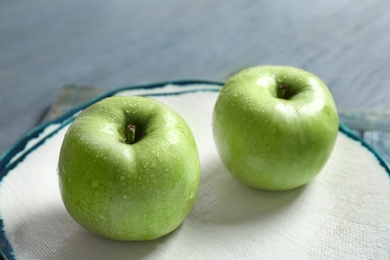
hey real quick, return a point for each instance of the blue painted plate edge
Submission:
(6, 251)
(69, 116)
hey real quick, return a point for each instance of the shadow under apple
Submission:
(224, 200)
(53, 234)
(101, 248)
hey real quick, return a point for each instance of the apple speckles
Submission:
(133, 184)
(284, 108)
(153, 164)
(95, 184)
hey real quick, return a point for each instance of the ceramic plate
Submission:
(344, 213)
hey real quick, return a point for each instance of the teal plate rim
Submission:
(6, 163)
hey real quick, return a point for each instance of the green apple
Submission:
(275, 126)
(129, 169)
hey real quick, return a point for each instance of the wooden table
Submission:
(45, 45)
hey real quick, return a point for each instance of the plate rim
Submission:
(6, 251)
(69, 115)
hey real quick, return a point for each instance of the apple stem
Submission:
(130, 134)
(281, 91)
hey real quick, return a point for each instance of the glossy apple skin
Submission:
(274, 143)
(122, 191)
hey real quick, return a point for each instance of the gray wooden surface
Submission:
(46, 44)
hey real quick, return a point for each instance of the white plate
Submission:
(344, 213)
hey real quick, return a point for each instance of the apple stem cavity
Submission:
(282, 91)
(130, 134)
